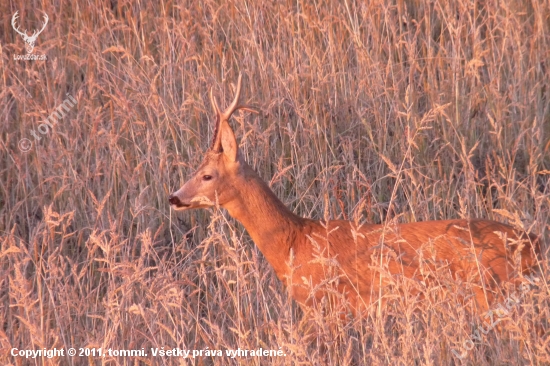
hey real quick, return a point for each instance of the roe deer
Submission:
(486, 251)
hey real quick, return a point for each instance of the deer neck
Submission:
(271, 225)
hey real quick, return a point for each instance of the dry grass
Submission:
(403, 111)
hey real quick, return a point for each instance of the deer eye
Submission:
(206, 177)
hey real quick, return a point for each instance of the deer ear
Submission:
(228, 142)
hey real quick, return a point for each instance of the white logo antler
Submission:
(29, 40)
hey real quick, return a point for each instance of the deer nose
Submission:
(174, 200)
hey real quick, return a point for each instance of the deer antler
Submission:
(24, 34)
(224, 116)
(216, 140)
(36, 33)
(16, 28)
(29, 40)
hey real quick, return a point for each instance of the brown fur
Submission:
(305, 253)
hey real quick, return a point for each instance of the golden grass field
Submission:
(373, 111)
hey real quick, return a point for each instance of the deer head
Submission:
(29, 40)
(217, 177)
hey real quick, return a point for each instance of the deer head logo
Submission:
(29, 40)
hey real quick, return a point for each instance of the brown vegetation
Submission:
(375, 112)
